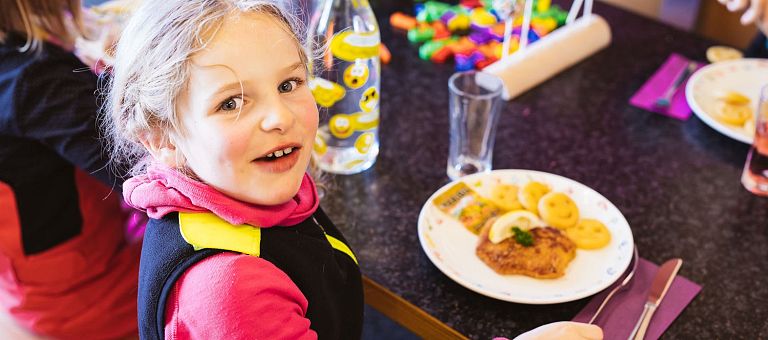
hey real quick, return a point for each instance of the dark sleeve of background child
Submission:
(60, 103)
(758, 48)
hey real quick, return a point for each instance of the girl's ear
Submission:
(163, 150)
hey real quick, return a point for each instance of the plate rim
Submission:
(703, 115)
(437, 263)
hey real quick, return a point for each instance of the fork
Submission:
(635, 260)
(666, 99)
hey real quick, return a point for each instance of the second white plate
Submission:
(745, 76)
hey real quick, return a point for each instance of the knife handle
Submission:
(642, 324)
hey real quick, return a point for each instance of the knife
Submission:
(659, 288)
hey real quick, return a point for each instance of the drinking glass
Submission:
(755, 175)
(474, 106)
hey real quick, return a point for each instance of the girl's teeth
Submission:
(280, 153)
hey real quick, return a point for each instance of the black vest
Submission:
(329, 278)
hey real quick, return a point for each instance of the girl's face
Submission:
(253, 142)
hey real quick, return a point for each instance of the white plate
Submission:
(746, 76)
(451, 247)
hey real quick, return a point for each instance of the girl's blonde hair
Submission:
(152, 65)
(38, 18)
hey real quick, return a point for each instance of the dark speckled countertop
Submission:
(677, 183)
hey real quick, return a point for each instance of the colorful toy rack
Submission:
(471, 33)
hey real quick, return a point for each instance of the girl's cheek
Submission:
(235, 145)
(311, 116)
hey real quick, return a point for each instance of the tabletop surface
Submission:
(676, 182)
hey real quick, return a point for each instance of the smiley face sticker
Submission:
(353, 163)
(342, 126)
(364, 142)
(326, 92)
(349, 45)
(370, 99)
(356, 75)
(365, 120)
(358, 3)
(320, 146)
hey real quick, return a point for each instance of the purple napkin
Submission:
(620, 315)
(645, 98)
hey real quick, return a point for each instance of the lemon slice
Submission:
(749, 127)
(502, 227)
(734, 98)
(733, 114)
(722, 53)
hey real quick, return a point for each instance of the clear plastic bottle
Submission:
(346, 85)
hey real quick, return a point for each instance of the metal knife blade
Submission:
(659, 288)
(663, 280)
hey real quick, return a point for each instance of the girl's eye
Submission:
(289, 85)
(232, 103)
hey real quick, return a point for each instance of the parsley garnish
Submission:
(523, 237)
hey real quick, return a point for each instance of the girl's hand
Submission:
(564, 330)
(756, 11)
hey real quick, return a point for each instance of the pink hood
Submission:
(163, 190)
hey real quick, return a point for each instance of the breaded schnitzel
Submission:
(547, 258)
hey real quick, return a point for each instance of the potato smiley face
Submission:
(558, 210)
(589, 234)
(505, 196)
(531, 193)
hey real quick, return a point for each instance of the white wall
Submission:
(679, 13)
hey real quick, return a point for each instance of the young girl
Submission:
(66, 268)
(213, 94)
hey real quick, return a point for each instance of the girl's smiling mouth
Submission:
(280, 159)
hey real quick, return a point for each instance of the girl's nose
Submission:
(278, 118)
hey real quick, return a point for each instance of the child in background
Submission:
(66, 268)
(754, 12)
(213, 93)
